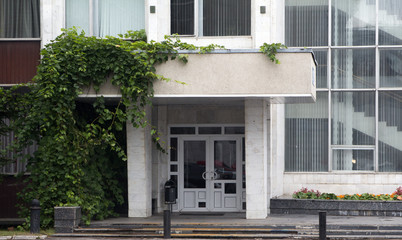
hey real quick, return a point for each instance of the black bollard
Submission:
(323, 225)
(35, 216)
(166, 224)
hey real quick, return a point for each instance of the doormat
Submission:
(202, 213)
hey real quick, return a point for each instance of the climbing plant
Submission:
(271, 50)
(71, 166)
(72, 163)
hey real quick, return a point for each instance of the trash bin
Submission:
(170, 192)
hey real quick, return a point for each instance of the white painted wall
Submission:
(52, 17)
(256, 111)
(139, 170)
(342, 183)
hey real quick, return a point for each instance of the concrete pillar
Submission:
(139, 170)
(151, 20)
(257, 142)
(52, 19)
(163, 159)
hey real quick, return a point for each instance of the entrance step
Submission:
(205, 231)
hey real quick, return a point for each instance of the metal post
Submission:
(166, 223)
(323, 225)
(35, 216)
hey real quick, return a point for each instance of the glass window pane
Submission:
(306, 23)
(182, 17)
(194, 164)
(209, 130)
(306, 136)
(182, 130)
(353, 118)
(19, 19)
(321, 57)
(352, 159)
(391, 68)
(224, 160)
(77, 14)
(353, 68)
(225, 17)
(390, 131)
(390, 22)
(230, 188)
(353, 22)
(234, 130)
(118, 16)
(173, 149)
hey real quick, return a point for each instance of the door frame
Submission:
(209, 176)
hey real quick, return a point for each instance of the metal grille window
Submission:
(211, 17)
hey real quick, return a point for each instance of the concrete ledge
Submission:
(66, 219)
(336, 207)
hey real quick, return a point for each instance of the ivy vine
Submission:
(71, 166)
(72, 163)
(271, 50)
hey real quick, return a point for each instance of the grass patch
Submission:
(13, 231)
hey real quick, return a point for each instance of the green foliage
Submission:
(271, 49)
(305, 193)
(72, 165)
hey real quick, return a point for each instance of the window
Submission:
(213, 17)
(105, 17)
(19, 19)
(19, 40)
(356, 122)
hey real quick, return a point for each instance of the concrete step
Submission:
(237, 232)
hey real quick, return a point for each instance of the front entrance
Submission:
(210, 173)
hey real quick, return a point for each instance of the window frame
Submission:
(377, 89)
(199, 24)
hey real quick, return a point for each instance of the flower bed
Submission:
(311, 202)
(305, 193)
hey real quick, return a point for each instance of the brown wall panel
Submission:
(18, 61)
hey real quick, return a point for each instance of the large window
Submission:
(214, 17)
(356, 123)
(19, 19)
(105, 17)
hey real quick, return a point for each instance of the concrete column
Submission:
(256, 115)
(139, 170)
(162, 157)
(52, 19)
(277, 156)
(151, 20)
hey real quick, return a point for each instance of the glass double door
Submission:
(210, 174)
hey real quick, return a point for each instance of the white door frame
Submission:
(216, 200)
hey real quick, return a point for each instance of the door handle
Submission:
(215, 175)
(203, 175)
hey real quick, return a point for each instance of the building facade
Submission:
(247, 132)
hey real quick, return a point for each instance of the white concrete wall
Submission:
(52, 17)
(342, 183)
(277, 145)
(239, 74)
(139, 170)
(162, 160)
(256, 115)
